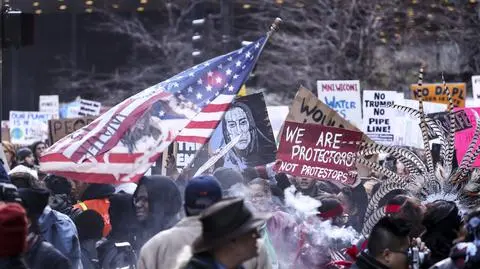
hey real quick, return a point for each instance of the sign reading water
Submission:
(343, 96)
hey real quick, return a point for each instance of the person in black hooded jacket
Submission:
(40, 254)
(157, 202)
(116, 251)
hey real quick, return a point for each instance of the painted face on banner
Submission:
(237, 124)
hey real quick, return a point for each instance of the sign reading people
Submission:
(317, 151)
(27, 127)
(343, 96)
(464, 137)
(435, 93)
(378, 117)
(59, 128)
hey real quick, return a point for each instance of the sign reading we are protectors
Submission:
(317, 151)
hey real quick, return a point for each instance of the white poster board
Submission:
(49, 103)
(378, 118)
(277, 115)
(344, 97)
(89, 108)
(476, 90)
(27, 127)
(407, 128)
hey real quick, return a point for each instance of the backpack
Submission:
(117, 255)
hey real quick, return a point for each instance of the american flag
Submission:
(123, 143)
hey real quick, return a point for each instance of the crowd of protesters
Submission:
(227, 219)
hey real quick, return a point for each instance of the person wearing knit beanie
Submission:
(25, 157)
(13, 236)
(13, 230)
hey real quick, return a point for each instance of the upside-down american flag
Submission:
(124, 142)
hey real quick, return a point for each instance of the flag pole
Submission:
(274, 27)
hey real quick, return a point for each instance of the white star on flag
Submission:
(209, 88)
(218, 80)
(229, 72)
(247, 55)
(190, 89)
(235, 76)
(231, 88)
(210, 73)
(199, 96)
(257, 45)
(199, 81)
(238, 63)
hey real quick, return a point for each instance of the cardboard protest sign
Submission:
(462, 122)
(342, 96)
(49, 103)
(89, 108)
(247, 117)
(435, 93)
(476, 90)
(306, 108)
(5, 130)
(378, 118)
(463, 138)
(59, 128)
(27, 127)
(316, 151)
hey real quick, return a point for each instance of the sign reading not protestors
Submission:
(58, 129)
(317, 151)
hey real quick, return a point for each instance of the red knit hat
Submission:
(13, 230)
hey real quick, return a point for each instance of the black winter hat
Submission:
(34, 200)
(23, 153)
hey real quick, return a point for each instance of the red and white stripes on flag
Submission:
(201, 128)
(124, 142)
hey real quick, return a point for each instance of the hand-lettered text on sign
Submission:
(436, 93)
(317, 151)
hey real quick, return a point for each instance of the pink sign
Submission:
(464, 137)
(317, 151)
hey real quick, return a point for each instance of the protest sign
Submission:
(306, 108)
(316, 151)
(406, 126)
(247, 117)
(57, 129)
(27, 127)
(378, 117)
(89, 108)
(342, 96)
(476, 90)
(463, 138)
(185, 153)
(462, 122)
(49, 103)
(435, 93)
(5, 130)
(277, 116)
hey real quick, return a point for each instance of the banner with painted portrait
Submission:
(248, 118)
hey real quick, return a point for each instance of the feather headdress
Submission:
(427, 180)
